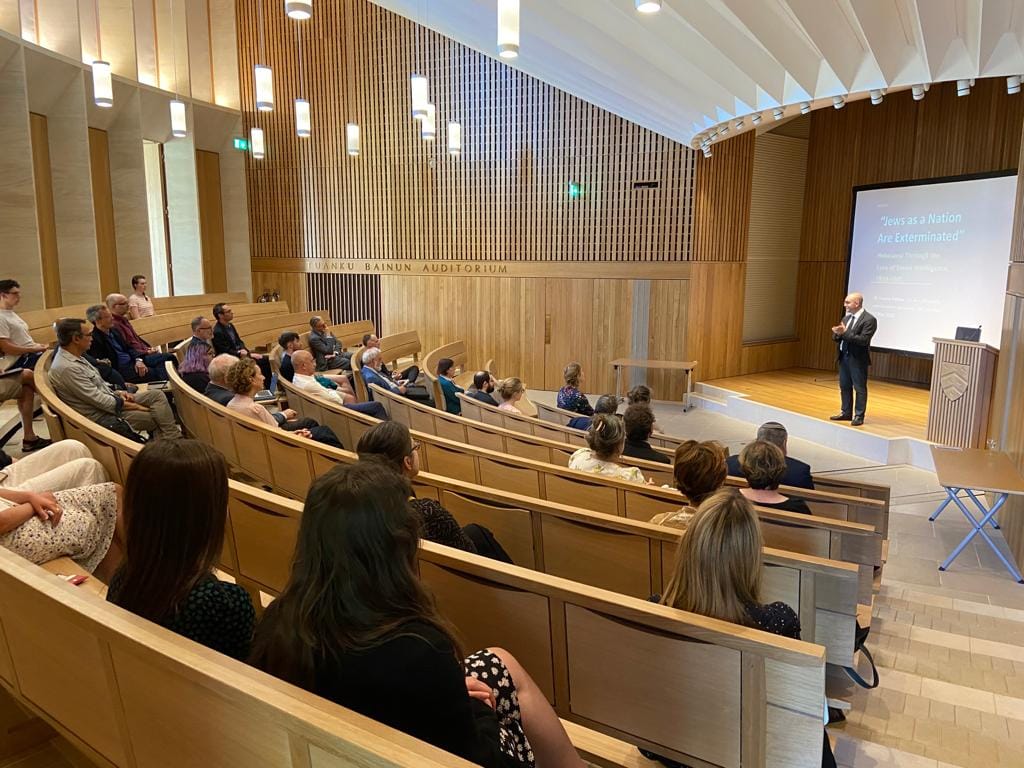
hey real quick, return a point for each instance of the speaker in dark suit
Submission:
(852, 336)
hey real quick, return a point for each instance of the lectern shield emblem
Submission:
(953, 380)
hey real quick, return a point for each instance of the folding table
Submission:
(976, 471)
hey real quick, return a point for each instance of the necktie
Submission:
(847, 321)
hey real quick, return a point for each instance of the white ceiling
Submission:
(699, 63)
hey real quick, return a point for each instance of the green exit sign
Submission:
(242, 145)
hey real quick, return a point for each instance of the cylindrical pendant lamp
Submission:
(298, 9)
(257, 144)
(264, 88)
(454, 139)
(352, 139)
(420, 96)
(179, 125)
(428, 129)
(303, 122)
(102, 86)
(508, 28)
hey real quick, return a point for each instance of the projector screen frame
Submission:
(896, 185)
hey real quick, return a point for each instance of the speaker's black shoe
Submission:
(840, 417)
(857, 421)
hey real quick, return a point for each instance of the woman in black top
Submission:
(175, 509)
(718, 574)
(355, 625)
(763, 465)
(391, 444)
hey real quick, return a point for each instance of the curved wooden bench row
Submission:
(160, 330)
(202, 301)
(561, 417)
(91, 669)
(288, 464)
(460, 429)
(735, 695)
(725, 695)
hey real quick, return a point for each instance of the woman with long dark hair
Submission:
(175, 509)
(355, 625)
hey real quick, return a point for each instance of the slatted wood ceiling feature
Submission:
(506, 198)
(773, 244)
(900, 139)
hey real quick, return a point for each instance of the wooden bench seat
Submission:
(160, 330)
(126, 692)
(560, 416)
(262, 332)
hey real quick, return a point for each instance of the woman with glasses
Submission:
(389, 443)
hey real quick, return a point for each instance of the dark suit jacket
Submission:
(287, 368)
(643, 450)
(103, 349)
(218, 394)
(222, 341)
(483, 397)
(798, 473)
(858, 338)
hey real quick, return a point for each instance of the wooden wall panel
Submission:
(211, 221)
(505, 198)
(722, 201)
(290, 286)
(45, 217)
(103, 209)
(943, 135)
(714, 326)
(666, 334)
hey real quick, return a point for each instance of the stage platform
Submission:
(803, 399)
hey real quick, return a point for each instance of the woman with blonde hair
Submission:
(718, 573)
(510, 392)
(605, 441)
(570, 398)
(699, 471)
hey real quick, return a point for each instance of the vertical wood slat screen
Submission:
(900, 139)
(773, 241)
(505, 198)
(722, 200)
(347, 297)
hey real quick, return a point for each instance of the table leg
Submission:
(618, 382)
(979, 527)
(950, 495)
(981, 507)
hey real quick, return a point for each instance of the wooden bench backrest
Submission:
(529, 425)
(398, 346)
(165, 329)
(91, 670)
(731, 697)
(560, 416)
(203, 302)
(263, 331)
(351, 334)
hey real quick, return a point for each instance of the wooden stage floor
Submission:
(894, 410)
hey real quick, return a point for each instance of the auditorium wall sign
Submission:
(679, 270)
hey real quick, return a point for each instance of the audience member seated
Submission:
(410, 374)
(80, 386)
(371, 373)
(226, 340)
(81, 523)
(639, 422)
(605, 440)
(798, 473)
(139, 304)
(355, 625)
(18, 353)
(306, 380)
(718, 573)
(483, 385)
(109, 375)
(109, 346)
(570, 398)
(175, 510)
(392, 445)
(194, 369)
(763, 465)
(58, 467)
(324, 346)
(218, 390)
(448, 386)
(245, 379)
(153, 357)
(607, 404)
(510, 392)
(699, 471)
(640, 394)
(290, 342)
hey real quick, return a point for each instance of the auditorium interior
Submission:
(519, 239)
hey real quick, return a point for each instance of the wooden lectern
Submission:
(961, 393)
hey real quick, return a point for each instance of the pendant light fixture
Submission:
(303, 117)
(428, 129)
(263, 77)
(257, 143)
(454, 139)
(179, 118)
(300, 10)
(102, 86)
(420, 96)
(352, 139)
(508, 28)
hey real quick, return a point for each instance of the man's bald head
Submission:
(854, 302)
(303, 363)
(117, 303)
(218, 368)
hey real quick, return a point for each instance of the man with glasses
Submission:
(18, 354)
(80, 386)
(117, 303)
